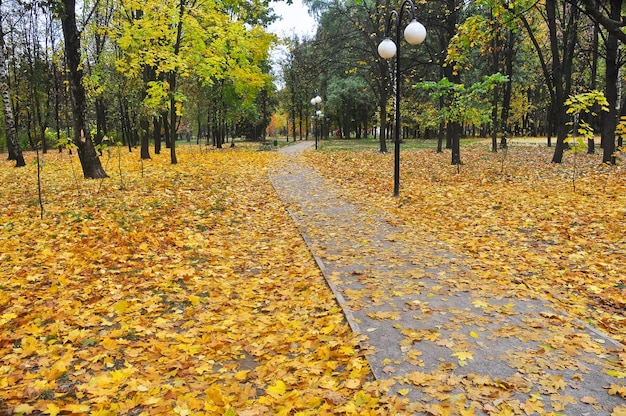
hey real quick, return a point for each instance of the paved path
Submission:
(446, 343)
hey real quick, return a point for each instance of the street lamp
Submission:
(316, 101)
(414, 33)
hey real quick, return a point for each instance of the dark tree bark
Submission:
(611, 76)
(383, 122)
(561, 71)
(496, 47)
(558, 76)
(591, 145)
(149, 74)
(172, 80)
(612, 24)
(509, 57)
(101, 108)
(453, 132)
(89, 160)
(157, 123)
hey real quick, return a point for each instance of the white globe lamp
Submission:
(387, 49)
(415, 32)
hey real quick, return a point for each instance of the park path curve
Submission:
(446, 344)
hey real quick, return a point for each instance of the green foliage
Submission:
(464, 104)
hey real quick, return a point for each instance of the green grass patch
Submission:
(371, 144)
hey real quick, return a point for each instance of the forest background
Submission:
(205, 68)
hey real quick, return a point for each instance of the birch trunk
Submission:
(15, 152)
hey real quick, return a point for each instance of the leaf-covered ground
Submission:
(187, 290)
(521, 222)
(180, 289)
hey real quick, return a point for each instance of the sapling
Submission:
(67, 144)
(39, 192)
(577, 105)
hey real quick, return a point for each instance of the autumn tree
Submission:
(612, 67)
(562, 20)
(610, 16)
(178, 45)
(348, 43)
(301, 76)
(90, 162)
(99, 68)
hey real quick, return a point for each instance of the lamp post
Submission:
(414, 33)
(316, 101)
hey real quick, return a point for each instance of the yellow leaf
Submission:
(617, 390)
(277, 389)
(76, 408)
(347, 350)
(52, 409)
(328, 329)
(120, 306)
(182, 411)
(480, 303)
(23, 408)
(241, 375)
(619, 411)
(403, 392)
(29, 346)
(353, 383)
(616, 374)
(6, 317)
(473, 334)
(468, 412)
(532, 405)
(464, 355)
(151, 401)
(109, 344)
(195, 300)
(589, 400)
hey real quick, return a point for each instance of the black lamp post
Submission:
(414, 33)
(315, 102)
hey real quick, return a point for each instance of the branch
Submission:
(612, 26)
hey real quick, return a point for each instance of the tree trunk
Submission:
(561, 72)
(172, 80)
(494, 120)
(145, 137)
(454, 132)
(156, 134)
(611, 75)
(591, 145)
(15, 152)
(89, 160)
(509, 55)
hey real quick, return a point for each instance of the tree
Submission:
(563, 25)
(468, 105)
(177, 46)
(89, 160)
(611, 90)
(15, 152)
(350, 100)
